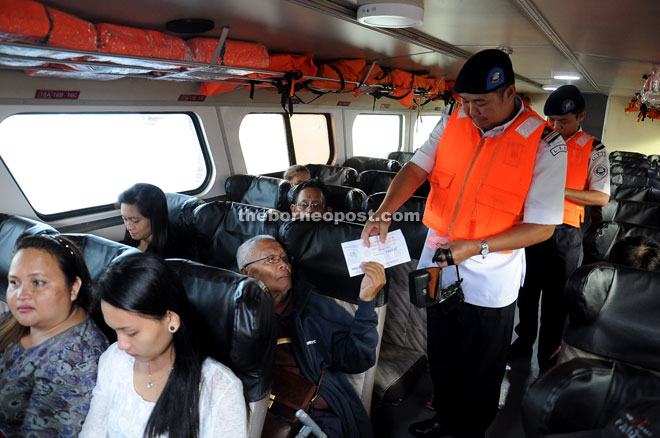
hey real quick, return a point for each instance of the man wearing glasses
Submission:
(310, 197)
(316, 334)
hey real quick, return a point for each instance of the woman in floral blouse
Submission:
(49, 346)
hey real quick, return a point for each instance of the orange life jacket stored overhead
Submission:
(23, 20)
(577, 172)
(479, 185)
(342, 69)
(71, 32)
(234, 53)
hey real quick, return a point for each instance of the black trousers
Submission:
(549, 264)
(467, 351)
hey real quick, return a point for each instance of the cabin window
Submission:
(71, 163)
(376, 135)
(272, 142)
(423, 128)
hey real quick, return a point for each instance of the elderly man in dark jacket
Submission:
(315, 334)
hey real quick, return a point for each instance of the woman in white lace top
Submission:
(154, 381)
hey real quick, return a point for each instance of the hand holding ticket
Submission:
(393, 252)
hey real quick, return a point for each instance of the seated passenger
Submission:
(155, 380)
(316, 335)
(639, 252)
(310, 197)
(49, 346)
(144, 212)
(297, 174)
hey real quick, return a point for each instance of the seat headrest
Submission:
(99, 252)
(11, 228)
(400, 156)
(613, 312)
(627, 154)
(333, 175)
(237, 322)
(344, 199)
(375, 181)
(600, 238)
(633, 193)
(262, 191)
(220, 227)
(369, 163)
(634, 212)
(632, 180)
(413, 230)
(318, 257)
(180, 208)
(583, 394)
(633, 170)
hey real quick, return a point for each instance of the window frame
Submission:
(291, 151)
(108, 207)
(402, 121)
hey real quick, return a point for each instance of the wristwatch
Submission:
(484, 249)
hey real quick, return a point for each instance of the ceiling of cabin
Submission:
(611, 42)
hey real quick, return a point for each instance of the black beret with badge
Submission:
(484, 72)
(564, 100)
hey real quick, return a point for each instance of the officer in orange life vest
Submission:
(550, 263)
(497, 173)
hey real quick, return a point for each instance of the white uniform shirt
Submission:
(495, 281)
(117, 411)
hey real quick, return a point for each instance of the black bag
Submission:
(424, 286)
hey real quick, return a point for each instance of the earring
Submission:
(172, 328)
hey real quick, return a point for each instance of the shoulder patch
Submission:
(600, 171)
(549, 134)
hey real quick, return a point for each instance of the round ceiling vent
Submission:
(190, 25)
(390, 15)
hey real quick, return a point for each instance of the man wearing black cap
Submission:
(497, 174)
(550, 263)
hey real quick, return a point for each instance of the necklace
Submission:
(150, 383)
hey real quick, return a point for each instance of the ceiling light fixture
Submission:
(394, 15)
(567, 77)
(550, 87)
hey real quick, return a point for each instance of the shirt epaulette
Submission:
(597, 145)
(549, 134)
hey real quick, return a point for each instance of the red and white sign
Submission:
(343, 103)
(192, 98)
(57, 94)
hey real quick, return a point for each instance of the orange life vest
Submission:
(577, 171)
(479, 185)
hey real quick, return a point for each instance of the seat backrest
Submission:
(370, 163)
(220, 227)
(319, 260)
(345, 199)
(180, 209)
(333, 175)
(632, 180)
(633, 170)
(600, 238)
(237, 319)
(99, 252)
(634, 212)
(617, 155)
(634, 193)
(653, 159)
(11, 228)
(262, 191)
(375, 181)
(583, 394)
(613, 312)
(408, 219)
(400, 156)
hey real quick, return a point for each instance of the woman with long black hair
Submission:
(144, 212)
(155, 381)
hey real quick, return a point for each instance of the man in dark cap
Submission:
(497, 173)
(550, 263)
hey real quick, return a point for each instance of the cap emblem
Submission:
(495, 78)
(567, 105)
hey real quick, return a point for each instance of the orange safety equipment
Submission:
(577, 172)
(479, 185)
(341, 69)
(71, 32)
(23, 20)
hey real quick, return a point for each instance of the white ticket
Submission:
(393, 252)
